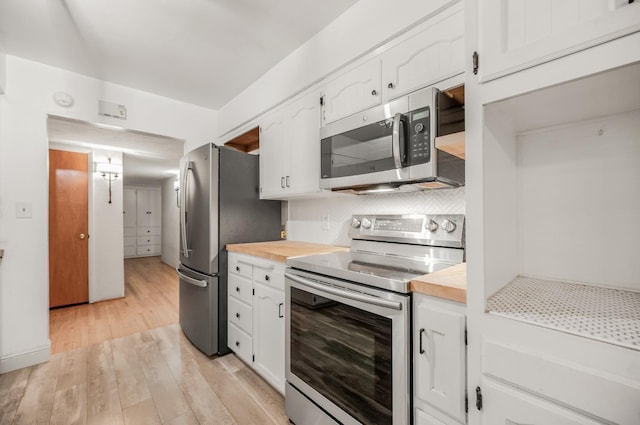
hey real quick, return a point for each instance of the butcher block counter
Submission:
(281, 250)
(449, 283)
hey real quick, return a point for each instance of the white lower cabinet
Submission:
(268, 334)
(256, 315)
(439, 360)
(507, 406)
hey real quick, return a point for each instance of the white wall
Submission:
(23, 178)
(106, 243)
(359, 30)
(304, 221)
(170, 224)
(3, 70)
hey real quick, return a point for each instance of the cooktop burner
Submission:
(388, 251)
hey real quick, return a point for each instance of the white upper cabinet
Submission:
(290, 149)
(432, 55)
(352, 92)
(518, 34)
(129, 203)
(428, 54)
(148, 207)
(274, 156)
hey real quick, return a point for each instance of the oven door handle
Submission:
(346, 294)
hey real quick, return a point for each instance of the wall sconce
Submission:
(176, 187)
(109, 172)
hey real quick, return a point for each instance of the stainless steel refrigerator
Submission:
(219, 205)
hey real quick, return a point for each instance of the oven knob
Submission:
(355, 223)
(448, 226)
(419, 127)
(366, 223)
(431, 226)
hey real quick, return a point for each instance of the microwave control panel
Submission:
(419, 136)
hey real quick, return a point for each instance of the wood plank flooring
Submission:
(151, 301)
(126, 362)
(152, 377)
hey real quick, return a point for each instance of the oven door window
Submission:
(344, 353)
(361, 151)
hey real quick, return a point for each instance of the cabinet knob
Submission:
(237, 289)
(237, 315)
(237, 343)
(374, 92)
(266, 277)
(390, 85)
(237, 268)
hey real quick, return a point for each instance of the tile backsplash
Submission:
(305, 216)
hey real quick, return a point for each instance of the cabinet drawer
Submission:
(148, 240)
(503, 405)
(148, 231)
(129, 251)
(130, 232)
(240, 287)
(240, 342)
(148, 250)
(129, 241)
(239, 266)
(273, 277)
(240, 314)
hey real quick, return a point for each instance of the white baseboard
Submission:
(36, 356)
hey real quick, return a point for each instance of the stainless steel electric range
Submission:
(348, 344)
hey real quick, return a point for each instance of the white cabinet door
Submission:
(440, 367)
(142, 207)
(505, 406)
(155, 208)
(275, 157)
(268, 334)
(423, 418)
(303, 136)
(129, 208)
(518, 34)
(432, 55)
(352, 92)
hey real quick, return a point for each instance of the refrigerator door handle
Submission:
(196, 282)
(188, 168)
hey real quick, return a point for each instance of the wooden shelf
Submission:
(247, 142)
(452, 144)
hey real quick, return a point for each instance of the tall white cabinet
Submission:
(142, 222)
(551, 98)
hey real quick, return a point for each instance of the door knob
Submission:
(82, 236)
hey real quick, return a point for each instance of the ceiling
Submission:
(147, 158)
(203, 52)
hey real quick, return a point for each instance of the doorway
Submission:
(147, 294)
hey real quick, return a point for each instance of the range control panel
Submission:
(422, 229)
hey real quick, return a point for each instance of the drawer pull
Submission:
(237, 315)
(266, 277)
(237, 343)
(421, 349)
(237, 289)
(237, 268)
(280, 313)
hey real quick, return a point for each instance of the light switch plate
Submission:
(325, 222)
(24, 210)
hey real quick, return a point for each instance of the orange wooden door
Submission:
(68, 228)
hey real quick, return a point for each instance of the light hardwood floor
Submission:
(151, 301)
(152, 377)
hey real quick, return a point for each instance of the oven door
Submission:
(347, 350)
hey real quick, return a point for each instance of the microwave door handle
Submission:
(395, 140)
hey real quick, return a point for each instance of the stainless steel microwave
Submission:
(388, 147)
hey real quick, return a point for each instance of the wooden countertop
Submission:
(281, 250)
(449, 283)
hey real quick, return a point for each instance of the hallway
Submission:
(151, 301)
